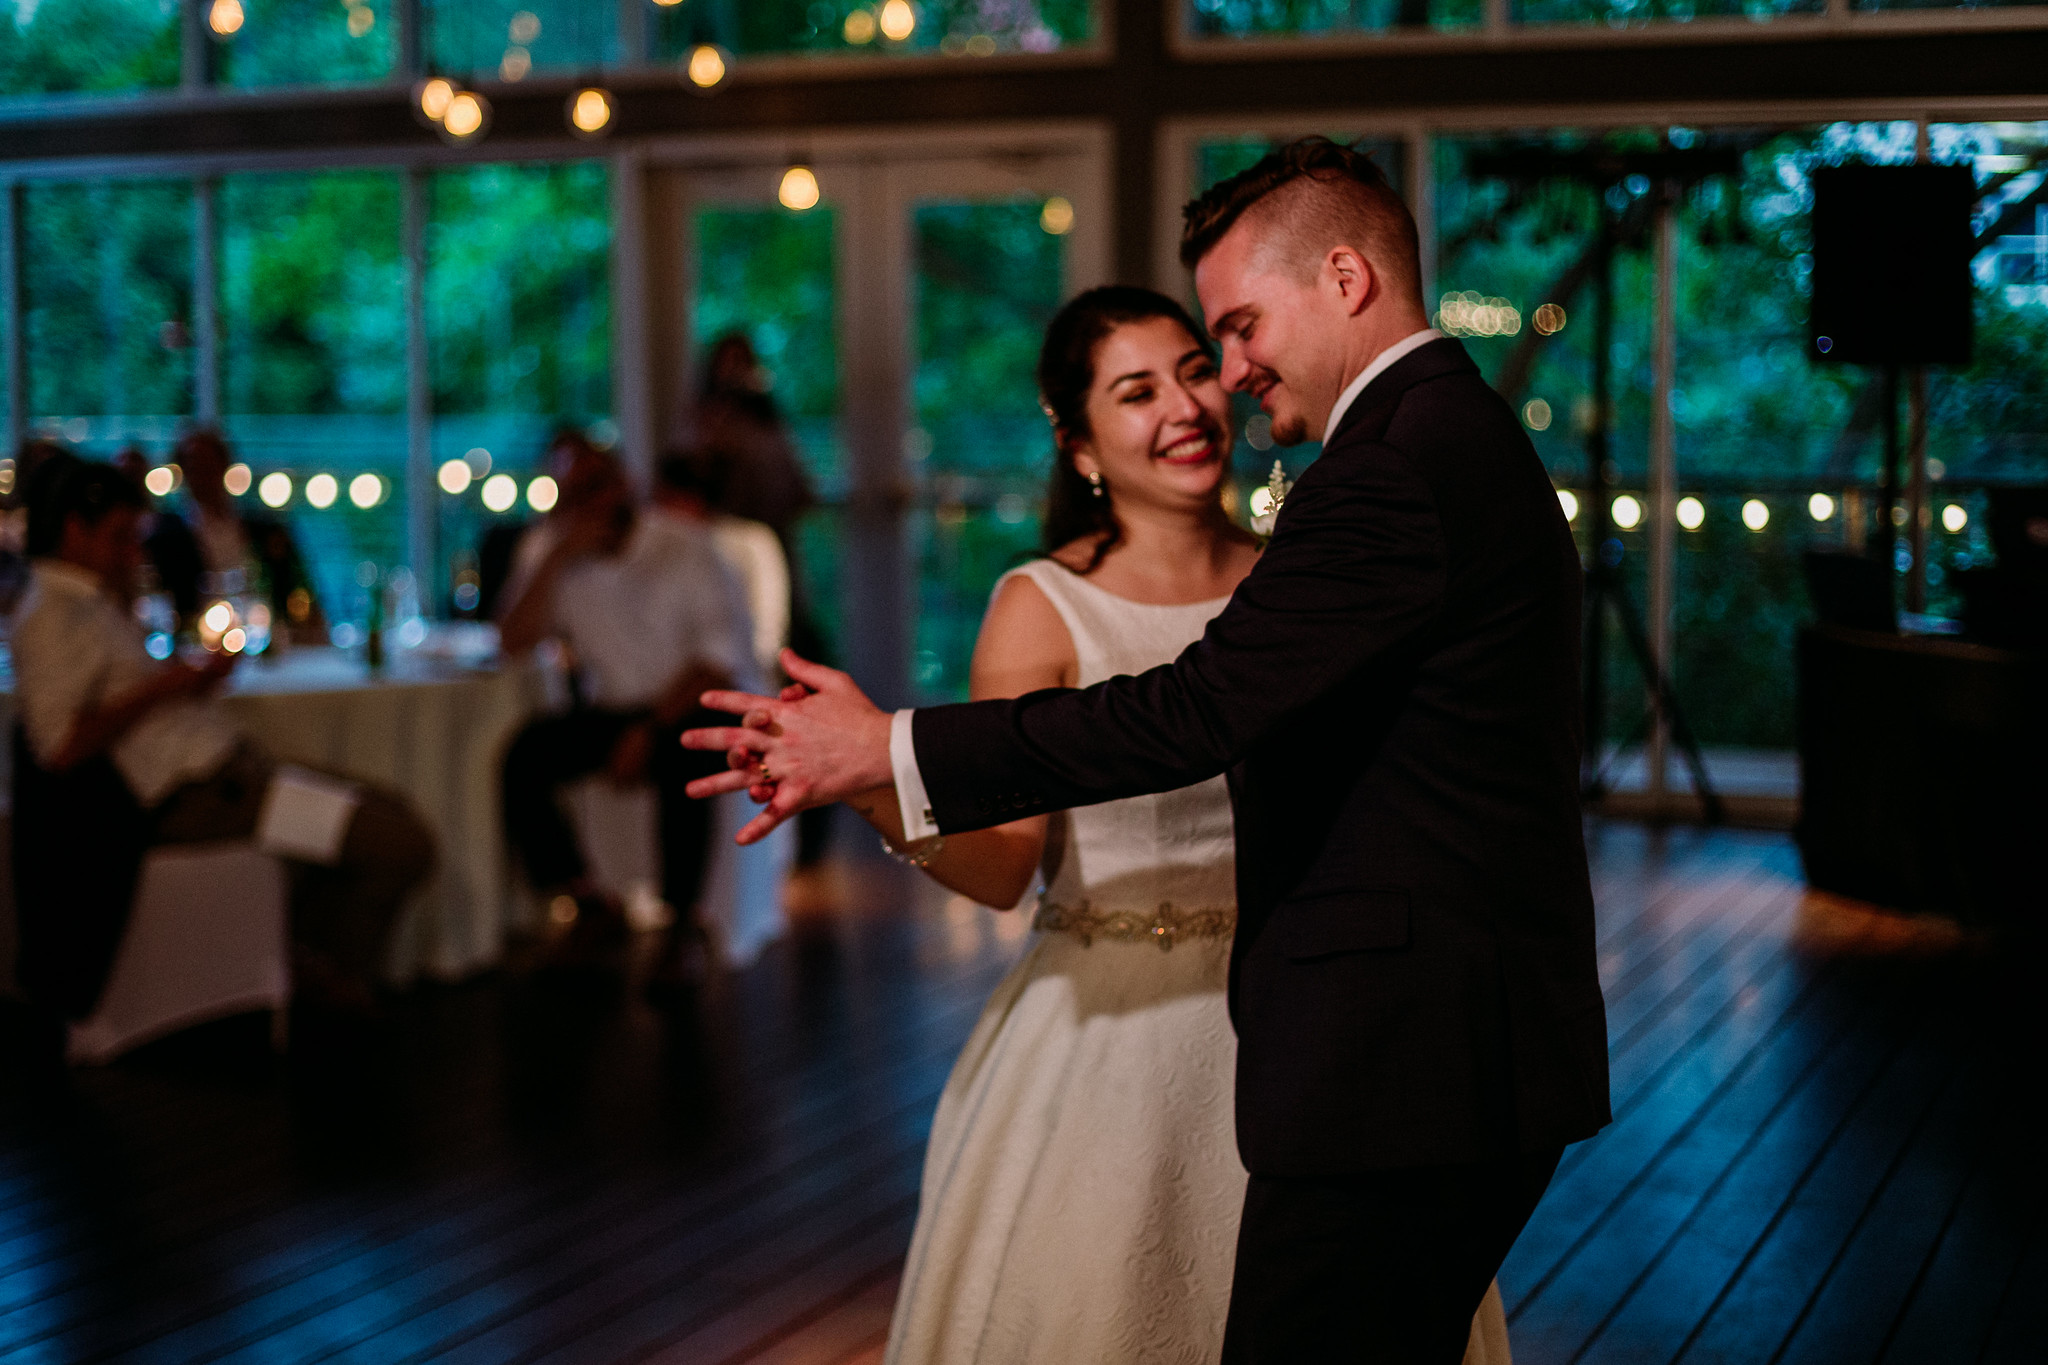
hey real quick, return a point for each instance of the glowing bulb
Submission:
(479, 461)
(1536, 415)
(860, 27)
(365, 490)
(1692, 513)
(897, 20)
(361, 19)
(515, 65)
(1755, 515)
(1628, 513)
(435, 95)
(1261, 501)
(1569, 501)
(465, 115)
(542, 493)
(160, 481)
(237, 480)
(1954, 518)
(218, 617)
(275, 490)
(322, 490)
(524, 28)
(225, 17)
(1549, 319)
(706, 67)
(233, 641)
(454, 477)
(1820, 507)
(500, 492)
(590, 111)
(799, 189)
(1057, 217)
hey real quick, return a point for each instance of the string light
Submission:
(1954, 518)
(1536, 415)
(707, 66)
(225, 17)
(322, 490)
(1548, 319)
(500, 492)
(275, 490)
(799, 189)
(366, 491)
(515, 64)
(431, 97)
(1755, 515)
(454, 477)
(1569, 501)
(1057, 217)
(237, 480)
(860, 27)
(590, 112)
(466, 117)
(542, 494)
(1820, 507)
(897, 20)
(1692, 513)
(361, 19)
(160, 481)
(1628, 513)
(524, 28)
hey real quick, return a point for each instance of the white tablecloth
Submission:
(432, 732)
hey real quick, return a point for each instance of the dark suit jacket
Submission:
(1393, 692)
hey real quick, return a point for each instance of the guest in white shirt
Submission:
(86, 686)
(688, 486)
(650, 616)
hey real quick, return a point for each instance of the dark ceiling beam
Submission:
(1142, 86)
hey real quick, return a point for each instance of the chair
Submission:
(741, 900)
(209, 936)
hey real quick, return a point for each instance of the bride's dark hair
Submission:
(1066, 372)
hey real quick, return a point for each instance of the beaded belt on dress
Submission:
(1163, 926)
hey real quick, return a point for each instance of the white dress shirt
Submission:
(913, 803)
(635, 619)
(76, 648)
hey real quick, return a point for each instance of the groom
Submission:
(1393, 692)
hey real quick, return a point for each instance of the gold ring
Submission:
(767, 778)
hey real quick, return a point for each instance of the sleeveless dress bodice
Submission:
(1158, 868)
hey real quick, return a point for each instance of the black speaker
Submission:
(1891, 264)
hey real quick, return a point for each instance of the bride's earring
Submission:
(1095, 485)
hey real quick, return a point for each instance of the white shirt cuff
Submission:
(911, 802)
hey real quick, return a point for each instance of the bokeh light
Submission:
(322, 490)
(590, 111)
(225, 17)
(1628, 513)
(366, 491)
(1569, 501)
(1954, 518)
(897, 20)
(1691, 513)
(1057, 217)
(500, 492)
(237, 479)
(1536, 415)
(1755, 515)
(454, 477)
(1820, 507)
(275, 490)
(541, 494)
(707, 66)
(799, 189)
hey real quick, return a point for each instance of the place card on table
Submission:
(306, 814)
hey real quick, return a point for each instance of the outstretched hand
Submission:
(820, 741)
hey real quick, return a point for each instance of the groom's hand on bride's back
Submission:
(820, 741)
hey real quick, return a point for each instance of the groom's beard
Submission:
(1289, 426)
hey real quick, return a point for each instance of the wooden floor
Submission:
(1827, 1147)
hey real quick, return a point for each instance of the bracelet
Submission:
(917, 853)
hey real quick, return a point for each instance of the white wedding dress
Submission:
(1082, 1187)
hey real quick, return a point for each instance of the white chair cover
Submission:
(209, 937)
(741, 900)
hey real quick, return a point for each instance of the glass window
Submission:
(954, 27)
(1629, 13)
(95, 45)
(313, 366)
(519, 336)
(506, 39)
(988, 280)
(1327, 18)
(1755, 421)
(108, 294)
(311, 42)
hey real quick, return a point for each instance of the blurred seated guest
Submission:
(87, 688)
(652, 619)
(495, 552)
(221, 538)
(36, 455)
(687, 486)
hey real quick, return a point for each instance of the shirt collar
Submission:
(61, 575)
(1380, 364)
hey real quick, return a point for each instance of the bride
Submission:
(1082, 1187)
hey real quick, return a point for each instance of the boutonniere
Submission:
(1267, 501)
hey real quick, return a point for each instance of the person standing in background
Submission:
(738, 429)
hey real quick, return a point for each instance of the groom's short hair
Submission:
(1305, 198)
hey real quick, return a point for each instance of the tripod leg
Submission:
(1657, 679)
